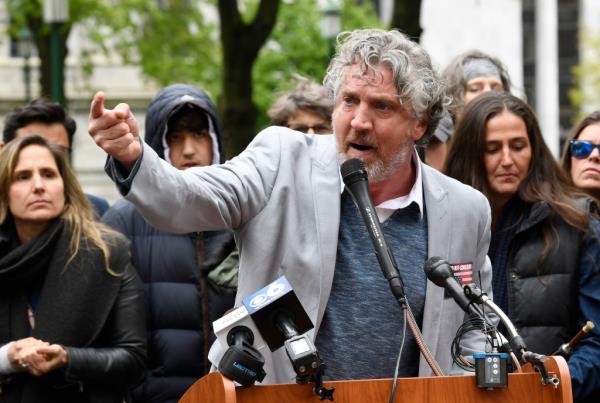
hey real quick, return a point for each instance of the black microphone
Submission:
(354, 176)
(438, 271)
(268, 319)
(277, 313)
(282, 321)
(243, 359)
(242, 362)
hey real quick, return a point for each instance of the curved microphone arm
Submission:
(439, 272)
(475, 294)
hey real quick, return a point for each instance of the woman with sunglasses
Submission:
(581, 155)
(544, 247)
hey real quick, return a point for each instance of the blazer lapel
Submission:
(326, 190)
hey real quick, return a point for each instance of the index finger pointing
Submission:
(97, 107)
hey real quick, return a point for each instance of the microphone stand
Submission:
(355, 178)
(475, 294)
(303, 355)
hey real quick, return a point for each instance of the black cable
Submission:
(396, 370)
(474, 323)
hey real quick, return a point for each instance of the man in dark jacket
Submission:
(178, 269)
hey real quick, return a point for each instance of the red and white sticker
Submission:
(463, 272)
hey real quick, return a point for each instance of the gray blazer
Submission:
(281, 196)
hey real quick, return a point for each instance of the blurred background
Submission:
(245, 52)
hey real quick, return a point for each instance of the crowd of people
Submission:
(104, 303)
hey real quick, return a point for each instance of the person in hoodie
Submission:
(187, 283)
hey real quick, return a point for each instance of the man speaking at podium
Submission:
(284, 198)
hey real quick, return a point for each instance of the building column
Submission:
(546, 72)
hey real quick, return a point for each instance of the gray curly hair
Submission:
(417, 82)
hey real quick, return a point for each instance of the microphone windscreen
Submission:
(437, 270)
(352, 170)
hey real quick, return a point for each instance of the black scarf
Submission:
(22, 266)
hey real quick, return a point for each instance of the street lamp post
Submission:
(56, 12)
(331, 22)
(25, 52)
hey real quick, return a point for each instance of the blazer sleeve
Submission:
(227, 195)
(122, 361)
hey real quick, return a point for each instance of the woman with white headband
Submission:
(468, 75)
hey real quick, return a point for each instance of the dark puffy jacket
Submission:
(550, 302)
(179, 332)
(543, 299)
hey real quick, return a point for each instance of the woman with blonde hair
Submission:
(72, 321)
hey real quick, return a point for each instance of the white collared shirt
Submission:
(386, 209)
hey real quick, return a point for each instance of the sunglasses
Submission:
(581, 149)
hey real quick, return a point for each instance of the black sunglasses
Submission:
(581, 149)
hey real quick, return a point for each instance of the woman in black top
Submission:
(72, 326)
(544, 247)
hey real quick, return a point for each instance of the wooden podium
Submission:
(522, 387)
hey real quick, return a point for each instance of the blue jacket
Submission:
(584, 364)
(178, 331)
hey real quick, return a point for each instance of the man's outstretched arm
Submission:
(115, 131)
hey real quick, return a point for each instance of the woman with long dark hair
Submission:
(72, 325)
(544, 248)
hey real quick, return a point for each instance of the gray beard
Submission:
(377, 170)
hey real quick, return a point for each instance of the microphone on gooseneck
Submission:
(354, 176)
(438, 271)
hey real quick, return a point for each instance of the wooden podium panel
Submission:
(522, 387)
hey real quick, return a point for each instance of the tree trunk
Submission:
(406, 16)
(241, 44)
(41, 37)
